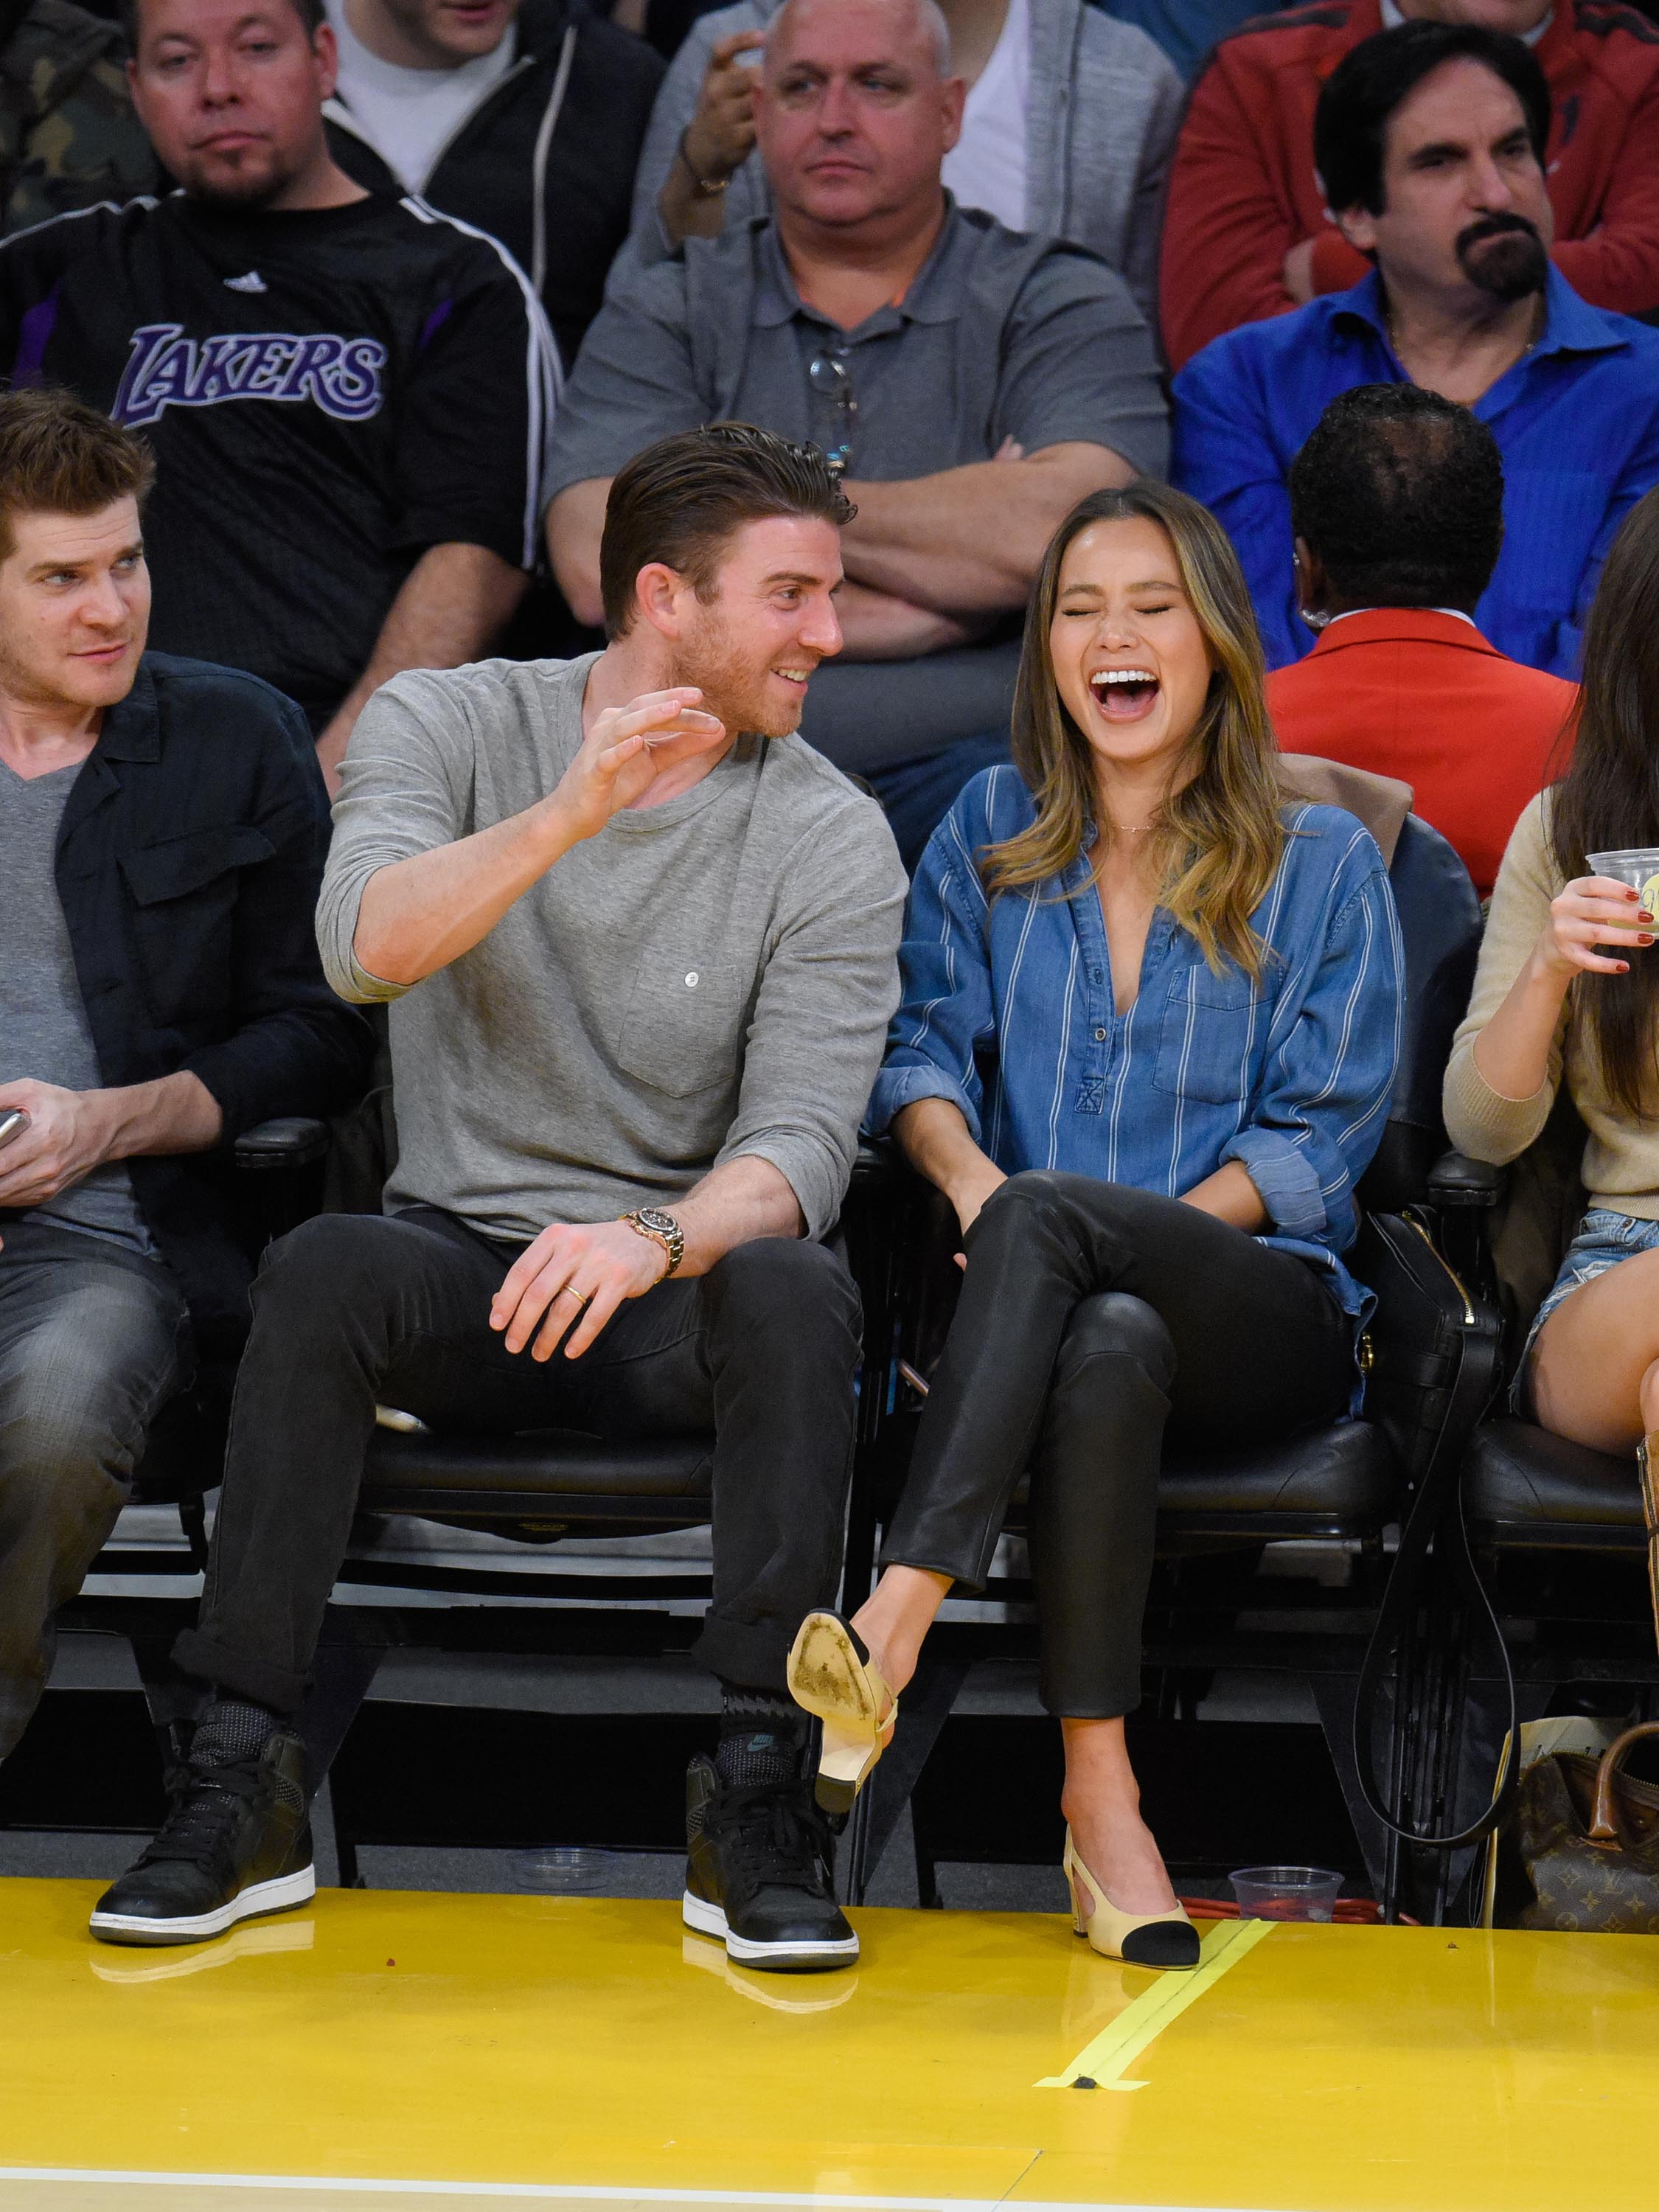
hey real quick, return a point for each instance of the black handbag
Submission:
(1434, 1362)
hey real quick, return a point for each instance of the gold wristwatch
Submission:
(662, 1228)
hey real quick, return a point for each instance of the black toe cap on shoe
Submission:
(1164, 1943)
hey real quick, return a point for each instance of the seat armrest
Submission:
(880, 1164)
(1457, 1179)
(291, 1140)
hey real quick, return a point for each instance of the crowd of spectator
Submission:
(677, 479)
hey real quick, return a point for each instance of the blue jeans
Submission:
(1602, 1239)
(917, 794)
(92, 1341)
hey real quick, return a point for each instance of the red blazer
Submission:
(1243, 190)
(1409, 693)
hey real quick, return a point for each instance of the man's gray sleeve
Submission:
(1079, 363)
(676, 103)
(633, 382)
(827, 992)
(403, 791)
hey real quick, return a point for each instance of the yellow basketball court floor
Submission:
(382, 2050)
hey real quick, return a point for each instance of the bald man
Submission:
(970, 382)
(1038, 74)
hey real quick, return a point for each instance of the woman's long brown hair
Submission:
(1609, 795)
(1217, 841)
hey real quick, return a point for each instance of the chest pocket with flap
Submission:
(178, 865)
(682, 1030)
(184, 890)
(1205, 1046)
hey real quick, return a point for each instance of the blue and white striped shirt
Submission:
(1291, 1075)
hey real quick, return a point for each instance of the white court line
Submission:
(564, 2192)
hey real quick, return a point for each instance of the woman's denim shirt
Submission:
(1008, 1012)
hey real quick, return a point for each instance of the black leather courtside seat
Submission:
(1526, 1490)
(1327, 1482)
(543, 1476)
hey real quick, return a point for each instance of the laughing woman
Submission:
(1191, 994)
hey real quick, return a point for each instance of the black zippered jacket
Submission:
(546, 161)
(189, 860)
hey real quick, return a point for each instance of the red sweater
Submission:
(1243, 190)
(1409, 693)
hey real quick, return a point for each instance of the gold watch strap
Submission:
(674, 1246)
(710, 187)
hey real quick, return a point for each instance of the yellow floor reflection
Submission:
(395, 2052)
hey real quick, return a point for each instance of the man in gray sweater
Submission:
(640, 946)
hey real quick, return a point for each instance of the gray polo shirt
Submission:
(1001, 336)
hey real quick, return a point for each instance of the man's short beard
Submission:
(1514, 268)
(726, 679)
(235, 193)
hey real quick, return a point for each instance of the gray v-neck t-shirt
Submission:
(43, 1033)
(703, 981)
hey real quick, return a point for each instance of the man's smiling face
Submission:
(763, 622)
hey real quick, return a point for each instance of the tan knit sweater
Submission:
(1621, 1159)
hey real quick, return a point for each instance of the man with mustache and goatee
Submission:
(1429, 140)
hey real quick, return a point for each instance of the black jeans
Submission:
(1094, 1318)
(353, 1310)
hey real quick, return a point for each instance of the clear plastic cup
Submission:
(1286, 1892)
(1637, 865)
(568, 1870)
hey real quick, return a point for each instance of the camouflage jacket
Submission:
(68, 135)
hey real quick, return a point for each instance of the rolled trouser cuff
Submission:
(201, 1656)
(754, 1655)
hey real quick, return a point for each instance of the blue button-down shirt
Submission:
(1291, 1075)
(1576, 420)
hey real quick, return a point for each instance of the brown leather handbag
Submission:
(1586, 1844)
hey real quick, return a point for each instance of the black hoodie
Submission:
(546, 161)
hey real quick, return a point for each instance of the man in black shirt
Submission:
(525, 117)
(163, 828)
(347, 394)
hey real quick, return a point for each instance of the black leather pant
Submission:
(1093, 1320)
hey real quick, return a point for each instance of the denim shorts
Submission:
(1603, 1239)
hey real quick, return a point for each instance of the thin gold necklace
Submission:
(1538, 317)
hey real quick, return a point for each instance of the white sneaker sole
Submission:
(799, 1958)
(274, 1896)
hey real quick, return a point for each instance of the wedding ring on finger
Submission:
(568, 1292)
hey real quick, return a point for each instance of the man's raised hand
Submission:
(721, 133)
(630, 751)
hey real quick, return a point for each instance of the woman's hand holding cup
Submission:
(1592, 911)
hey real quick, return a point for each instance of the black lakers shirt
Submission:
(327, 394)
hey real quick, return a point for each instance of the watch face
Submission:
(654, 1217)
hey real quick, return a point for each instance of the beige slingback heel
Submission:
(1139, 1939)
(832, 1676)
